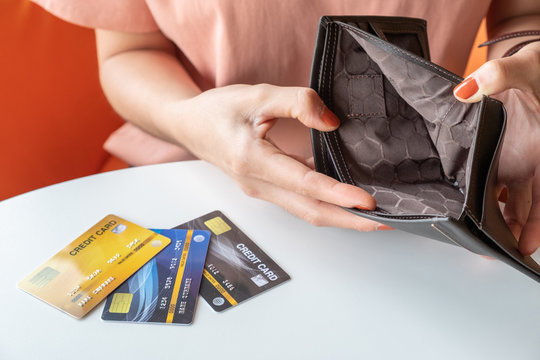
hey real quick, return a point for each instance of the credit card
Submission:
(82, 274)
(236, 269)
(165, 290)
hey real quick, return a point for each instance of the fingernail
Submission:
(385, 227)
(526, 250)
(329, 118)
(467, 88)
(487, 257)
(362, 207)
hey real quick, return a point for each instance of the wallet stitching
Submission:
(334, 41)
(335, 35)
(442, 121)
(408, 56)
(324, 88)
(445, 235)
(476, 150)
(334, 154)
(343, 159)
(475, 156)
(323, 154)
(327, 90)
(354, 115)
(334, 29)
(393, 47)
(379, 86)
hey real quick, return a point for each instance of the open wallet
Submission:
(429, 160)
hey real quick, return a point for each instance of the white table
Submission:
(384, 295)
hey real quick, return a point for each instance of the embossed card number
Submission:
(82, 274)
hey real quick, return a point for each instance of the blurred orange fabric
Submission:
(478, 55)
(55, 117)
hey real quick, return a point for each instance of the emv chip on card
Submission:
(83, 273)
(165, 290)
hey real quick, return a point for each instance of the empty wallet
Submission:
(429, 160)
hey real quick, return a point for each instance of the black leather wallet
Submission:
(429, 160)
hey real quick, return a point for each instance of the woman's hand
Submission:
(227, 126)
(515, 80)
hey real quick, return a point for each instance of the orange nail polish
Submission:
(466, 89)
(384, 227)
(329, 118)
(362, 207)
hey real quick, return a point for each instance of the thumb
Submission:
(303, 104)
(492, 78)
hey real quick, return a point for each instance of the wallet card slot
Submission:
(366, 96)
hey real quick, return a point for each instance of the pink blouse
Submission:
(225, 42)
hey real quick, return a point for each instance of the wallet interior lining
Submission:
(404, 137)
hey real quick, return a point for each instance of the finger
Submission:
(316, 212)
(298, 158)
(496, 76)
(530, 236)
(502, 194)
(311, 163)
(299, 103)
(517, 206)
(287, 173)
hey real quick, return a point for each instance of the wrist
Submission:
(179, 124)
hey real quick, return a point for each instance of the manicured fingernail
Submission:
(385, 227)
(362, 207)
(329, 118)
(466, 89)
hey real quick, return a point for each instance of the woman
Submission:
(192, 97)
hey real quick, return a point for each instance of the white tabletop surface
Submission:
(384, 295)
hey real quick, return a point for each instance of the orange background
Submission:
(54, 116)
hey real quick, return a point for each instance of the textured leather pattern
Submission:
(402, 139)
(405, 139)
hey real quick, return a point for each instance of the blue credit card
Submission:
(165, 290)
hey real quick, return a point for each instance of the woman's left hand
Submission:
(515, 80)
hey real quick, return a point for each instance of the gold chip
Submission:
(121, 302)
(217, 225)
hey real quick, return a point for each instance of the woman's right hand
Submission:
(147, 85)
(234, 121)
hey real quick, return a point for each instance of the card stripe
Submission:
(179, 275)
(219, 288)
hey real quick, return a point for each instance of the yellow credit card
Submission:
(82, 274)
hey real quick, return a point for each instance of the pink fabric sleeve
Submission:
(115, 15)
(136, 147)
